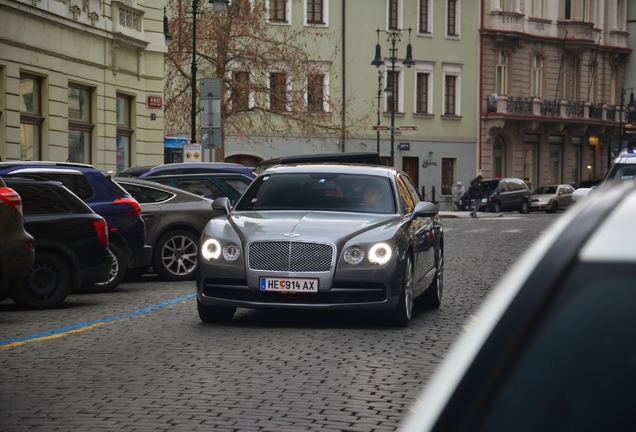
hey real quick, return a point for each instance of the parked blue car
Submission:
(127, 230)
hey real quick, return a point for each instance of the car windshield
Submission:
(545, 190)
(316, 191)
(622, 172)
(488, 186)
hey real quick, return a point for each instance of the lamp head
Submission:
(219, 5)
(166, 31)
(377, 61)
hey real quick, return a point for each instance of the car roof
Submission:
(371, 158)
(590, 231)
(45, 166)
(336, 168)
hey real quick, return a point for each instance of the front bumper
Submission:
(539, 206)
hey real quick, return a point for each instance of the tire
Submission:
(554, 208)
(525, 208)
(117, 271)
(432, 297)
(496, 207)
(215, 314)
(175, 255)
(45, 286)
(401, 316)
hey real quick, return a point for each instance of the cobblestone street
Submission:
(160, 368)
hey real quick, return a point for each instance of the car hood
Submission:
(308, 225)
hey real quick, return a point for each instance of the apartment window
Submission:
(278, 11)
(393, 14)
(30, 117)
(450, 89)
(393, 81)
(501, 85)
(586, 10)
(451, 18)
(448, 175)
(278, 91)
(422, 93)
(576, 80)
(241, 91)
(592, 86)
(577, 143)
(315, 93)
(124, 132)
(315, 12)
(613, 87)
(562, 82)
(423, 16)
(568, 9)
(538, 8)
(537, 76)
(508, 5)
(80, 124)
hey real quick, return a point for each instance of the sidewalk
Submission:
(466, 214)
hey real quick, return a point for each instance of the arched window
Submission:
(537, 77)
(501, 85)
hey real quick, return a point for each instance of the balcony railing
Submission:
(550, 107)
(574, 109)
(596, 111)
(520, 105)
(611, 113)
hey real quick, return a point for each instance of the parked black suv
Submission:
(16, 250)
(507, 194)
(71, 244)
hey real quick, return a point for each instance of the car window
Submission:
(487, 187)
(503, 186)
(41, 200)
(622, 172)
(545, 190)
(407, 201)
(412, 189)
(76, 183)
(239, 184)
(203, 187)
(146, 195)
(577, 371)
(318, 191)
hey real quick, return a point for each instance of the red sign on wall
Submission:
(154, 101)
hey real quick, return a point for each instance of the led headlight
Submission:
(354, 255)
(380, 253)
(484, 200)
(211, 249)
(231, 252)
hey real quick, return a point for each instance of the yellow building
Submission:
(82, 81)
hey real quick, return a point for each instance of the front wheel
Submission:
(117, 270)
(525, 208)
(215, 314)
(496, 207)
(175, 256)
(45, 286)
(404, 311)
(554, 208)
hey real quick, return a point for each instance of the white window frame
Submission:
(325, 15)
(288, 13)
(425, 68)
(429, 17)
(400, 18)
(537, 9)
(319, 68)
(505, 68)
(458, 21)
(536, 76)
(399, 91)
(453, 69)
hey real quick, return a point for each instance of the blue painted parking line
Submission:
(81, 326)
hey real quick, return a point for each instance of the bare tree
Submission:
(274, 83)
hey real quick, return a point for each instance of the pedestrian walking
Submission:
(475, 194)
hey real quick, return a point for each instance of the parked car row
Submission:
(129, 237)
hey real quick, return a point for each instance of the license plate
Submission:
(289, 285)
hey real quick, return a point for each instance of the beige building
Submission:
(552, 79)
(82, 81)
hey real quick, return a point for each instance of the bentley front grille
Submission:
(288, 256)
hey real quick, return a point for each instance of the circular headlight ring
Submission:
(353, 255)
(211, 249)
(380, 253)
(231, 252)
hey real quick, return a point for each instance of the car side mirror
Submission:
(425, 209)
(222, 204)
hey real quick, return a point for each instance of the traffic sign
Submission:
(379, 128)
(407, 128)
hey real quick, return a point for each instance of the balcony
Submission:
(577, 30)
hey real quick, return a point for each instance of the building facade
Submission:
(82, 81)
(553, 75)
(435, 98)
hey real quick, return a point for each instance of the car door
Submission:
(505, 196)
(564, 195)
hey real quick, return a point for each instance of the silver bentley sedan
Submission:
(323, 236)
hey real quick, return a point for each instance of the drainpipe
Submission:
(481, 86)
(344, 114)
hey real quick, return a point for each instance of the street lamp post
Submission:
(380, 76)
(219, 5)
(393, 38)
(630, 107)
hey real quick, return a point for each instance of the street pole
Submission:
(380, 76)
(394, 38)
(193, 112)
